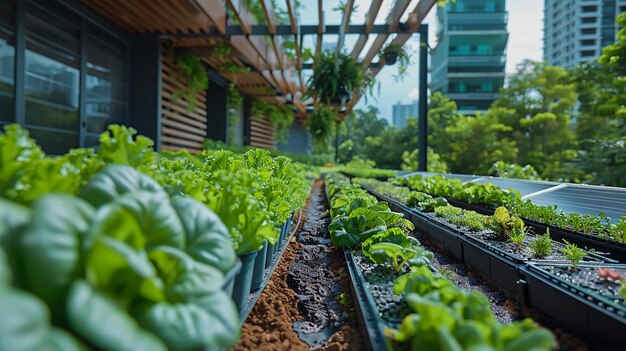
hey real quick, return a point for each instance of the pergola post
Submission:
(422, 120)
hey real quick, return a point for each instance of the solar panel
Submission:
(525, 187)
(586, 199)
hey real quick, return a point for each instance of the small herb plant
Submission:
(506, 226)
(542, 246)
(474, 220)
(573, 253)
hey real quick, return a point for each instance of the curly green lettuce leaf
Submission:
(117, 146)
(17, 150)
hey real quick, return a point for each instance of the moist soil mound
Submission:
(300, 307)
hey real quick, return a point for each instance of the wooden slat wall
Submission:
(262, 133)
(180, 127)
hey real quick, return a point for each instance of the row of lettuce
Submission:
(444, 317)
(491, 195)
(125, 248)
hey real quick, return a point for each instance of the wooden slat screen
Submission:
(262, 133)
(181, 128)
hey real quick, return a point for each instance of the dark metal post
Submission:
(337, 142)
(145, 87)
(247, 116)
(20, 62)
(422, 121)
(217, 108)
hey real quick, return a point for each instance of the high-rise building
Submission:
(469, 60)
(402, 112)
(575, 31)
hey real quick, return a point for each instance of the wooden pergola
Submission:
(200, 25)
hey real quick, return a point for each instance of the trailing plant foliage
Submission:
(280, 117)
(189, 67)
(322, 125)
(403, 57)
(336, 78)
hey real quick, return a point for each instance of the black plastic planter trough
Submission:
(615, 250)
(601, 318)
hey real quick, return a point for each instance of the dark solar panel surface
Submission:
(586, 200)
(525, 187)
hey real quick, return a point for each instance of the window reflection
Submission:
(7, 64)
(106, 88)
(52, 80)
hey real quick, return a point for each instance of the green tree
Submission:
(435, 164)
(601, 124)
(536, 105)
(478, 142)
(442, 113)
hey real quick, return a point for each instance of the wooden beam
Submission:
(345, 22)
(293, 21)
(214, 10)
(369, 22)
(270, 17)
(243, 16)
(393, 20)
(320, 27)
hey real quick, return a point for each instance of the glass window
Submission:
(7, 62)
(106, 85)
(588, 20)
(588, 31)
(52, 79)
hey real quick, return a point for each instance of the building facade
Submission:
(71, 68)
(468, 63)
(402, 112)
(575, 31)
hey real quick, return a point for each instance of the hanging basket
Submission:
(391, 57)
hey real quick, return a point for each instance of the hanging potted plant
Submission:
(392, 54)
(336, 78)
(322, 125)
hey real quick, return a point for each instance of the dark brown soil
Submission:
(301, 301)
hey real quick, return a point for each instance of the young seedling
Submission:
(506, 226)
(573, 253)
(542, 246)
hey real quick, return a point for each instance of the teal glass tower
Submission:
(468, 63)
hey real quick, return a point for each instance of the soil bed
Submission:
(300, 309)
(588, 278)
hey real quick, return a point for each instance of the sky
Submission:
(525, 42)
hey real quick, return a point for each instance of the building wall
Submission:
(64, 72)
(575, 31)
(299, 140)
(183, 122)
(468, 63)
(401, 112)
